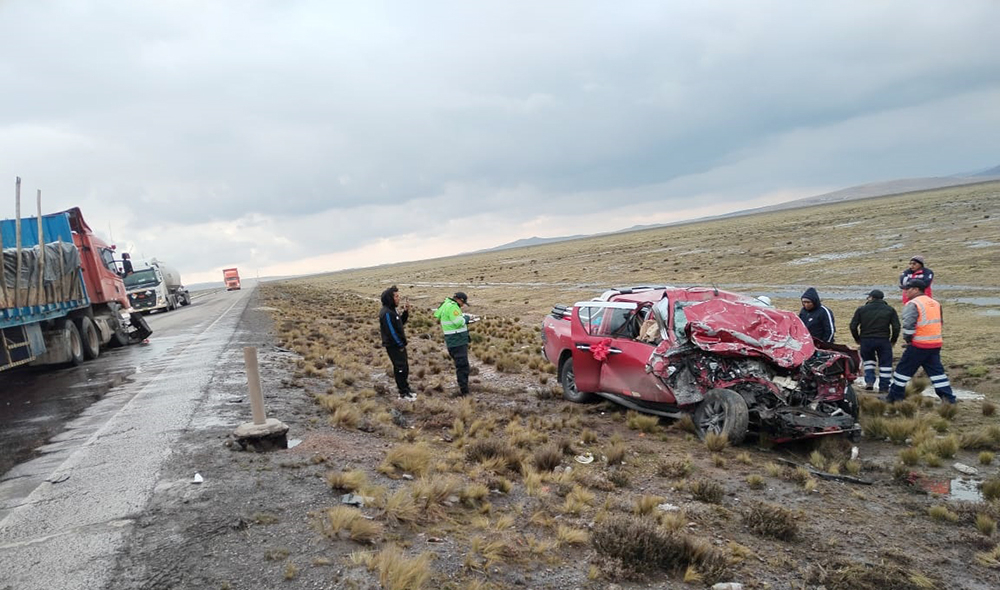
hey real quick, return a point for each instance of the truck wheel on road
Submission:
(723, 411)
(89, 337)
(71, 336)
(568, 380)
(119, 337)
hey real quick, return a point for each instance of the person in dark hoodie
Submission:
(390, 323)
(875, 327)
(816, 316)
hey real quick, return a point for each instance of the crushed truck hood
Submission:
(734, 328)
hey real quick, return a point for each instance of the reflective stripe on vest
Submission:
(928, 321)
(452, 320)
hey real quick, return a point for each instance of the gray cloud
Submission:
(272, 131)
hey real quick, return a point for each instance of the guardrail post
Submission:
(253, 381)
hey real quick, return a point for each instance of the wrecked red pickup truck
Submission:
(737, 364)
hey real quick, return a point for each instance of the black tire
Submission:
(119, 334)
(186, 299)
(723, 411)
(89, 337)
(850, 402)
(75, 342)
(567, 377)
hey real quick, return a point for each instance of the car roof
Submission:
(677, 294)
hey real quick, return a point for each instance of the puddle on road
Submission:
(964, 394)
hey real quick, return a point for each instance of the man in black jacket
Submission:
(875, 327)
(817, 317)
(390, 323)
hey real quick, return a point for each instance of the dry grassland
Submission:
(486, 492)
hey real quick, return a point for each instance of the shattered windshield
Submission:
(141, 278)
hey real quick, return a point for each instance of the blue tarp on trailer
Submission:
(60, 294)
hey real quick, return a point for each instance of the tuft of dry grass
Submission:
(647, 504)
(710, 492)
(615, 453)
(755, 481)
(349, 519)
(398, 572)
(985, 457)
(716, 442)
(350, 481)
(640, 545)
(414, 459)
(571, 536)
(498, 453)
(942, 447)
(547, 457)
(990, 489)
(989, 408)
(770, 520)
(676, 468)
(986, 525)
(642, 422)
(909, 456)
(942, 514)
(948, 411)
(884, 576)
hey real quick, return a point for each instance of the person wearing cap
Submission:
(875, 327)
(922, 323)
(455, 326)
(390, 323)
(916, 270)
(817, 317)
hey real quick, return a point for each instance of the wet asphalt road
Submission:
(81, 447)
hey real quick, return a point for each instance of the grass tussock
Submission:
(770, 520)
(948, 411)
(414, 459)
(716, 442)
(571, 536)
(755, 481)
(710, 492)
(989, 408)
(942, 514)
(942, 447)
(675, 468)
(986, 525)
(642, 422)
(499, 454)
(647, 504)
(348, 481)
(883, 576)
(985, 457)
(349, 520)
(615, 454)
(396, 571)
(990, 489)
(640, 545)
(547, 457)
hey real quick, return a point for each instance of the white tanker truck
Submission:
(156, 286)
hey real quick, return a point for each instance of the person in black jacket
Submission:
(816, 316)
(390, 323)
(875, 327)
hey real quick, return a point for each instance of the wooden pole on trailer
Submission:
(62, 272)
(3, 273)
(17, 241)
(42, 299)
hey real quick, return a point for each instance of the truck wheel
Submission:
(568, 380)
(850, 402)
(73, 341)
(89, 337)
(723, 411)
(119, 337)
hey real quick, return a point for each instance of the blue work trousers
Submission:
(914, 358)
(876, 353)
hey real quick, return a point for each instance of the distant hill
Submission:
(861, 191)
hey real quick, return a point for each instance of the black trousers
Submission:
(460, 354)
(400, 368)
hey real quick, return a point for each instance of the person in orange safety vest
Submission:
(922, 324)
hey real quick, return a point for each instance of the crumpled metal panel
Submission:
(734, 328)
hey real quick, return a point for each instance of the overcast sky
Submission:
(291, 137)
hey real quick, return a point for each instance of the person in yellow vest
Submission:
(455, 326)
(922, 324)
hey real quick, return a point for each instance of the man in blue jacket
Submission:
(390, 323)
(816, 316)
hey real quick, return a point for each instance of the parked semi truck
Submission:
(61, 298)
(157, 286)
(232, 278)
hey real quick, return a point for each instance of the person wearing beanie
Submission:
(816, 316)
(390, 323)
(916, 270)
(455, 326)
(875, 327)
(922, 330)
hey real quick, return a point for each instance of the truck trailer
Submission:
(232, 278)
(157, 286)
(61, 298)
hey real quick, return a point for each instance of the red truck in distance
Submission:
(231, 276)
